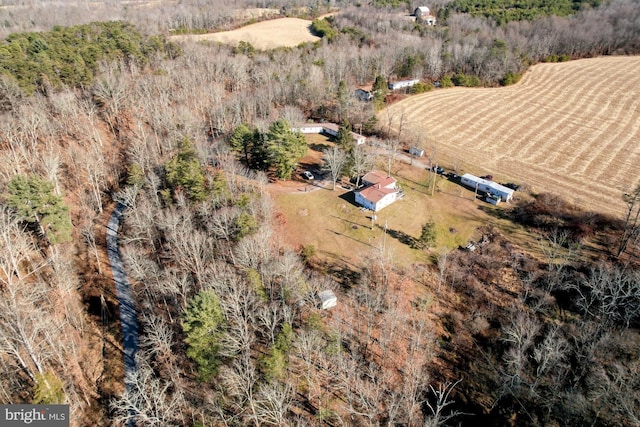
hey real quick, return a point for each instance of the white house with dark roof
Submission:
(379, 191)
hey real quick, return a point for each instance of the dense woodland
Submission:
(189, 134)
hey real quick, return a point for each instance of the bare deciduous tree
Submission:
(334, 161)
(272, 405)
(361, 161)
(438, 407)
(631, 222)
(149, 401)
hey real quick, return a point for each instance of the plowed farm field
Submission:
(569, 128)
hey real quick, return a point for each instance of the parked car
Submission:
(438, 170)
(307, 175)
(512, 186)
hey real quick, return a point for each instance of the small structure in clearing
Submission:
(327, 299)
(423, 14)
(417, 152)
(380, 191)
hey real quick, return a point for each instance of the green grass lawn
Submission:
(337, 228)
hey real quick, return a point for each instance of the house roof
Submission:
(378, 177)
(380, 185)
(375, 193)
(423, 9)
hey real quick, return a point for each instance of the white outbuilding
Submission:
(422, 13)
(327, 299)
(504, 193)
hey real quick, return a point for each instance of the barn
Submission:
(504, 193)
(422, 13)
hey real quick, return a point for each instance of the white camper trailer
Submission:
(504, 193)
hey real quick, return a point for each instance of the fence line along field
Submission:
(569, 128)
(283, 32)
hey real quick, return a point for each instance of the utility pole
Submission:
(435, 178)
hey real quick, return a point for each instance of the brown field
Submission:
(569, 128)
(284, 32)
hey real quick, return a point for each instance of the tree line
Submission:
(517, 10)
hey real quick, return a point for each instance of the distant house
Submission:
(328, 129)
(495, 191)
(327, 299)
(400, 84)
(379, 191)
(423, 14)
(362, 94)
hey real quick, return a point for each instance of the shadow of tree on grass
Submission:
(402, 237)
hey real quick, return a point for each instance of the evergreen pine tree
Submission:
(35, 203)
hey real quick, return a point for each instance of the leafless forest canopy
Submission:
(230, 329)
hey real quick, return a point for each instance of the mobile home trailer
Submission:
(487, 186)
(402, 84)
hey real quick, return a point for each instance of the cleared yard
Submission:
(284, 32)
(569, 128)
(341, 231)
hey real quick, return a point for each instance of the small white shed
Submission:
(327, 299)
(415, 151)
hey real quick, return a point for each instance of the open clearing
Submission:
(284, 32)
(569, 128)
(341, 232)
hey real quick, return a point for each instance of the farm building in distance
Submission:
(400, 84)
(328, 129)
(423, 14)
(379, 191)
(500, 191)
